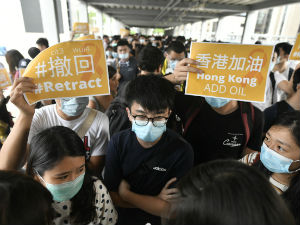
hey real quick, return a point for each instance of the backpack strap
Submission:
(248, 117)
(273, 82)
(291, 71)
(87, 123)
(191, 114)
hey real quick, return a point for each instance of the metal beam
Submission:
(160, 3)
(271, 3)
(154, 13)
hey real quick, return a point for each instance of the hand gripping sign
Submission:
(5, 80)
(295, 53)
(69, 69)
(231, 71)
(81, 28)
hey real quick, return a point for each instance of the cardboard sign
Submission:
(295, 53)
(86, 37)
(69, 69)
(5, 80)
(81, 28)
(231, 71)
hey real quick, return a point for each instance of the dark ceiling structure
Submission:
(170, 13)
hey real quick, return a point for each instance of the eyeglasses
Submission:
(159, 121)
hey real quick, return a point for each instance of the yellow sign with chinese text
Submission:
(86, 37)
(5, 80)
(295, 53)
(69, 69)
(81, 28)
(230, 71)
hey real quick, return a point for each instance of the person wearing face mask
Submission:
(279, 159)
(281, 72)
(128, 65)
(217, 128)
(92, 126)
(57, 160)
(142, 159)
(111, 57)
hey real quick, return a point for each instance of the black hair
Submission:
(43, 41)
(258, 42)
(47, 149)
(285, 46)
(227, 192)
(152, 92)
(33, 52)
(13, 58)
(24, 200)
(111, 71)
(105, 36)
(23, 63)
(290, 120)
(296, 79)
(176, 46)
(150, 59)
(181, 39)
(123, 42)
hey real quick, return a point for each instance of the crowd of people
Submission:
(147, 153)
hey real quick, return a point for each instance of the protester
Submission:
(227, 192)
(13, 57)
(42, 44)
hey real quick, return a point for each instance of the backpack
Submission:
(247, 114)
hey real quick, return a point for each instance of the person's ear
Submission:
(128, 114)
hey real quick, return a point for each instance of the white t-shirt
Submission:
(106, 214)
(279, 94)
(95, 139)
(268, 100)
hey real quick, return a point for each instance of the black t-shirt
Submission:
(273, 112)
(128, 70)
(125, 155)
(215, 136)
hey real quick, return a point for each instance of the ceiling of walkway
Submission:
(170, 13)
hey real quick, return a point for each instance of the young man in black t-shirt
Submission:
(218, 129)
(141, 160)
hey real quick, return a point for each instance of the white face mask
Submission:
(278, 60)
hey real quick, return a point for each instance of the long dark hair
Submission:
(47, 149)
(290, 120)
(24, 200)
(227, 192)
(13, 58)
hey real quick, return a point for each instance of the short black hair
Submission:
(123, 42)
(296, 79)
(33, 52)
(176, 46)
(43, 41)
(152, 92)
(181, 39)
(105, 36)
(150, 59)
(285, 46)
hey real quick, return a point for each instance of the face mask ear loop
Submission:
(36, 172)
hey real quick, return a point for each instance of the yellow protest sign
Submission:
(81, 28)
(124, 32)
(5, 80)
(69, 69)
(295, 53)
(86, 37)
(230, 71)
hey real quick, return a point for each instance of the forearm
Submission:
(171, 78)
(13, 151)
(150, 204)
(118, 201)
(286, 86)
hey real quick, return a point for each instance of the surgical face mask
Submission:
(172, 64)
(130, 39)
(124, 56)
(115, 55)
(65, 191)
(148, 133)
(108, 53)
(216, 102)
(114, 44)
(275, 162)
(142, 41)
(74, 106)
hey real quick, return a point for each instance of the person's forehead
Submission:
(176, 55)
(137, 107)
(123, 47)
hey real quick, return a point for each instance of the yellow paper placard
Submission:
(95, 30)
(124, 32)
(231, 71)
(81, 28)
(5, 80)
(295, 53)
(86, 37)
(69, 69)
